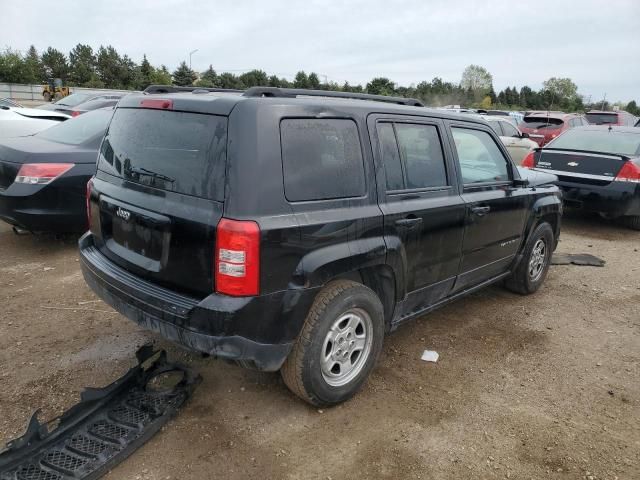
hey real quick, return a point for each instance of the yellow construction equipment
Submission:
(54, 90)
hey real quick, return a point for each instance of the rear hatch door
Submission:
(159, 193)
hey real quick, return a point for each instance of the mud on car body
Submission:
(290, 230)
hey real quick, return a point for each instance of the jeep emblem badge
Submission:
(123, 214)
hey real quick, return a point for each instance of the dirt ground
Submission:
(546, 386)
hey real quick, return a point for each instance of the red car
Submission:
(621, 118)
(542, 127)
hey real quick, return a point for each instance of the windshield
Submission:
(177, 151)
(74, 99)
(541, 122)
(602, 118)
(80, 129)
(605, 141)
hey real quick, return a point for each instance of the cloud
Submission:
(595, 44)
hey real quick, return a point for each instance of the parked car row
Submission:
(79, 103)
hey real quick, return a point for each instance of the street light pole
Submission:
(191, 53)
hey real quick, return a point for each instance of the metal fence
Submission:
(17, 91)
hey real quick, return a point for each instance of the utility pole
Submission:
(603, 99)
(191, 53)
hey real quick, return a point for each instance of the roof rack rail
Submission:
(152, 89)
(294, 92)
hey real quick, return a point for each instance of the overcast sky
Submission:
(595, 43)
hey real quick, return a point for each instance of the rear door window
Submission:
(422, 155)
(321, 159)
(495, 126)
(175, 151)
(481, 161)
(412, 156)
(509, 130)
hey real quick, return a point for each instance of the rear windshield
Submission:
(620, 143)
(176, 151)
(602, 118)
(78, 130)
(538, 123)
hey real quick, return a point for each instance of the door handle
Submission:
(410, 222)
(480, 211)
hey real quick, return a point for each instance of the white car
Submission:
(518, 144)
(19, 122)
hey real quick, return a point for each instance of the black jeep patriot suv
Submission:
(290, 230)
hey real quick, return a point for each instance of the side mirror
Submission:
(524, 135)
(520, 182)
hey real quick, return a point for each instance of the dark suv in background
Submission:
(291, 229)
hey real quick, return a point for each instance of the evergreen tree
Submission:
(209, 78)
(183, 75)
(313, 81)
(301, 80)
(82, 64)
(55, 64)
(33, 70)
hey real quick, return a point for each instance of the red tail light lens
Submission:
(630, 172)
(41, 173)
(88, 202)
(75, 113)
(528, 161)
(237, 260)
(157, 103)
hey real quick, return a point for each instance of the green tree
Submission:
(229, 80)
(492, 95)
(632, 108)
(301, 80)
(34, 72)
(55, 63)
(82, 64)
(160, 76)
(381, 86)
(183, 75)
(274, 81)
(561, 89)
(313, 81)
(108, 64)
(209, 78)
(144, 74)
(12, 67)
(254, 78)
(478, 79)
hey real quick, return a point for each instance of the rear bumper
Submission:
(45, 208)
(616, 199)
(259, 330)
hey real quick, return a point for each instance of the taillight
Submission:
(75, 113)
(41, 173)
(237, 260)
(630, 172)
(88, 202)
(528, 161)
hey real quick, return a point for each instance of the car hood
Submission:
(36, 150)
(536, 177)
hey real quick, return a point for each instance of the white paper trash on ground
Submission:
(430, 356)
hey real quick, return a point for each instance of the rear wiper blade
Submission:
(150, 173)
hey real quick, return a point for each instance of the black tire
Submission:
(303, 370)
(46, 96)
(523, 280)
(633, 222)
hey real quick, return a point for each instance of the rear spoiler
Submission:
(625, 158)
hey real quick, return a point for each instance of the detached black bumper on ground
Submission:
(258, 330)
(105, 427)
